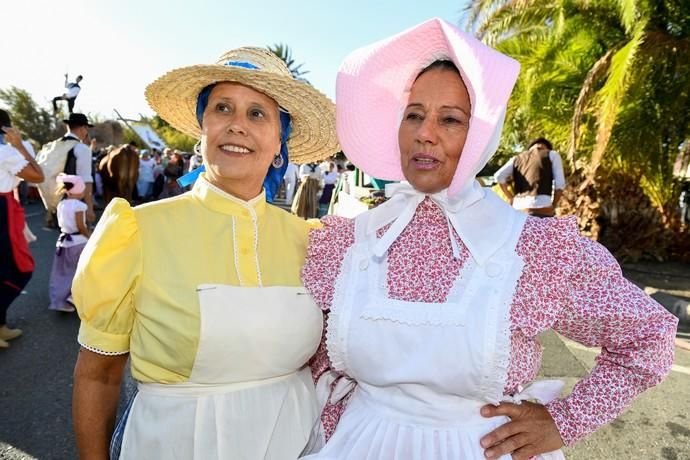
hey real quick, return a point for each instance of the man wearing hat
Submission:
(79, 158)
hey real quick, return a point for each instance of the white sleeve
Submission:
(11, 160)
(29, 148)
(84, 162)
(557, 168)
(505, 172)
(80, 206)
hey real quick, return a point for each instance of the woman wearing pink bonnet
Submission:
(434, 299)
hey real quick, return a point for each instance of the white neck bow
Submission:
(481, 219)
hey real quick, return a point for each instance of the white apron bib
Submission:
(423, 370)
(250, 395)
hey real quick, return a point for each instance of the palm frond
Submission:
(598, 70)
(611, 95)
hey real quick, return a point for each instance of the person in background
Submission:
(348, 178)
(74, 233)
(78, 129)
(291, 179)
(167, 156)
(158, 177)
(195, 161)
(16, 262)
(306, 201)
(329, 181)
(146, 179)
(70, 95)
(536, 175)
(173, 171)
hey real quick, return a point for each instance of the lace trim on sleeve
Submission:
(101, 352)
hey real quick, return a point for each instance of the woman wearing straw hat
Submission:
(217, 332)
(436, 297)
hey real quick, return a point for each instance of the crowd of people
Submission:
(70, 197)
(409, 331)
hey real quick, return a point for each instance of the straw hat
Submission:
(373, 88)
(174, 97)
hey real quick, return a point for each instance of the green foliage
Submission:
(606, 80)
(130, 136)
(285, 53)
(172, 137)
(33, 121)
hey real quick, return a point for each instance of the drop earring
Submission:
(278, 161)
(197, 148)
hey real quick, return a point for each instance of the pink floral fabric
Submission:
(569, 284)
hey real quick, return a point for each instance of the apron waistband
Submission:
(190, 389)
(453, 410)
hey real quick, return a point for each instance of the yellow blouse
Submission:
(135, 286)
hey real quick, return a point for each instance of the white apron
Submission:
(250, 395)
(423, 370)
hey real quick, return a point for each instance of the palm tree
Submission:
(607, 80)
(285, 53)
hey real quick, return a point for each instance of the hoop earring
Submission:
(197, 148)
(278, 161)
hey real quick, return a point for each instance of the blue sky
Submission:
(121, 46)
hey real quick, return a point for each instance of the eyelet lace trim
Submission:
(495, 378)
(503, 345)
(336, 330)
(101, 352)
(421, 315)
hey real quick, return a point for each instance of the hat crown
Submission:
(264, 60)
(77, 119)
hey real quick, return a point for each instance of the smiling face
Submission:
(240, 135)
(433, 130)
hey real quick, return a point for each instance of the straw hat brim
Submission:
(174, 97)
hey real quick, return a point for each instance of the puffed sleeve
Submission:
(106, 280)
(327, 247)
(11, 160)
(636, 336)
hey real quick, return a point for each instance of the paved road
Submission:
(36, 385)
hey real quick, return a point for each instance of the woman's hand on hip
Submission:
(531, 431)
